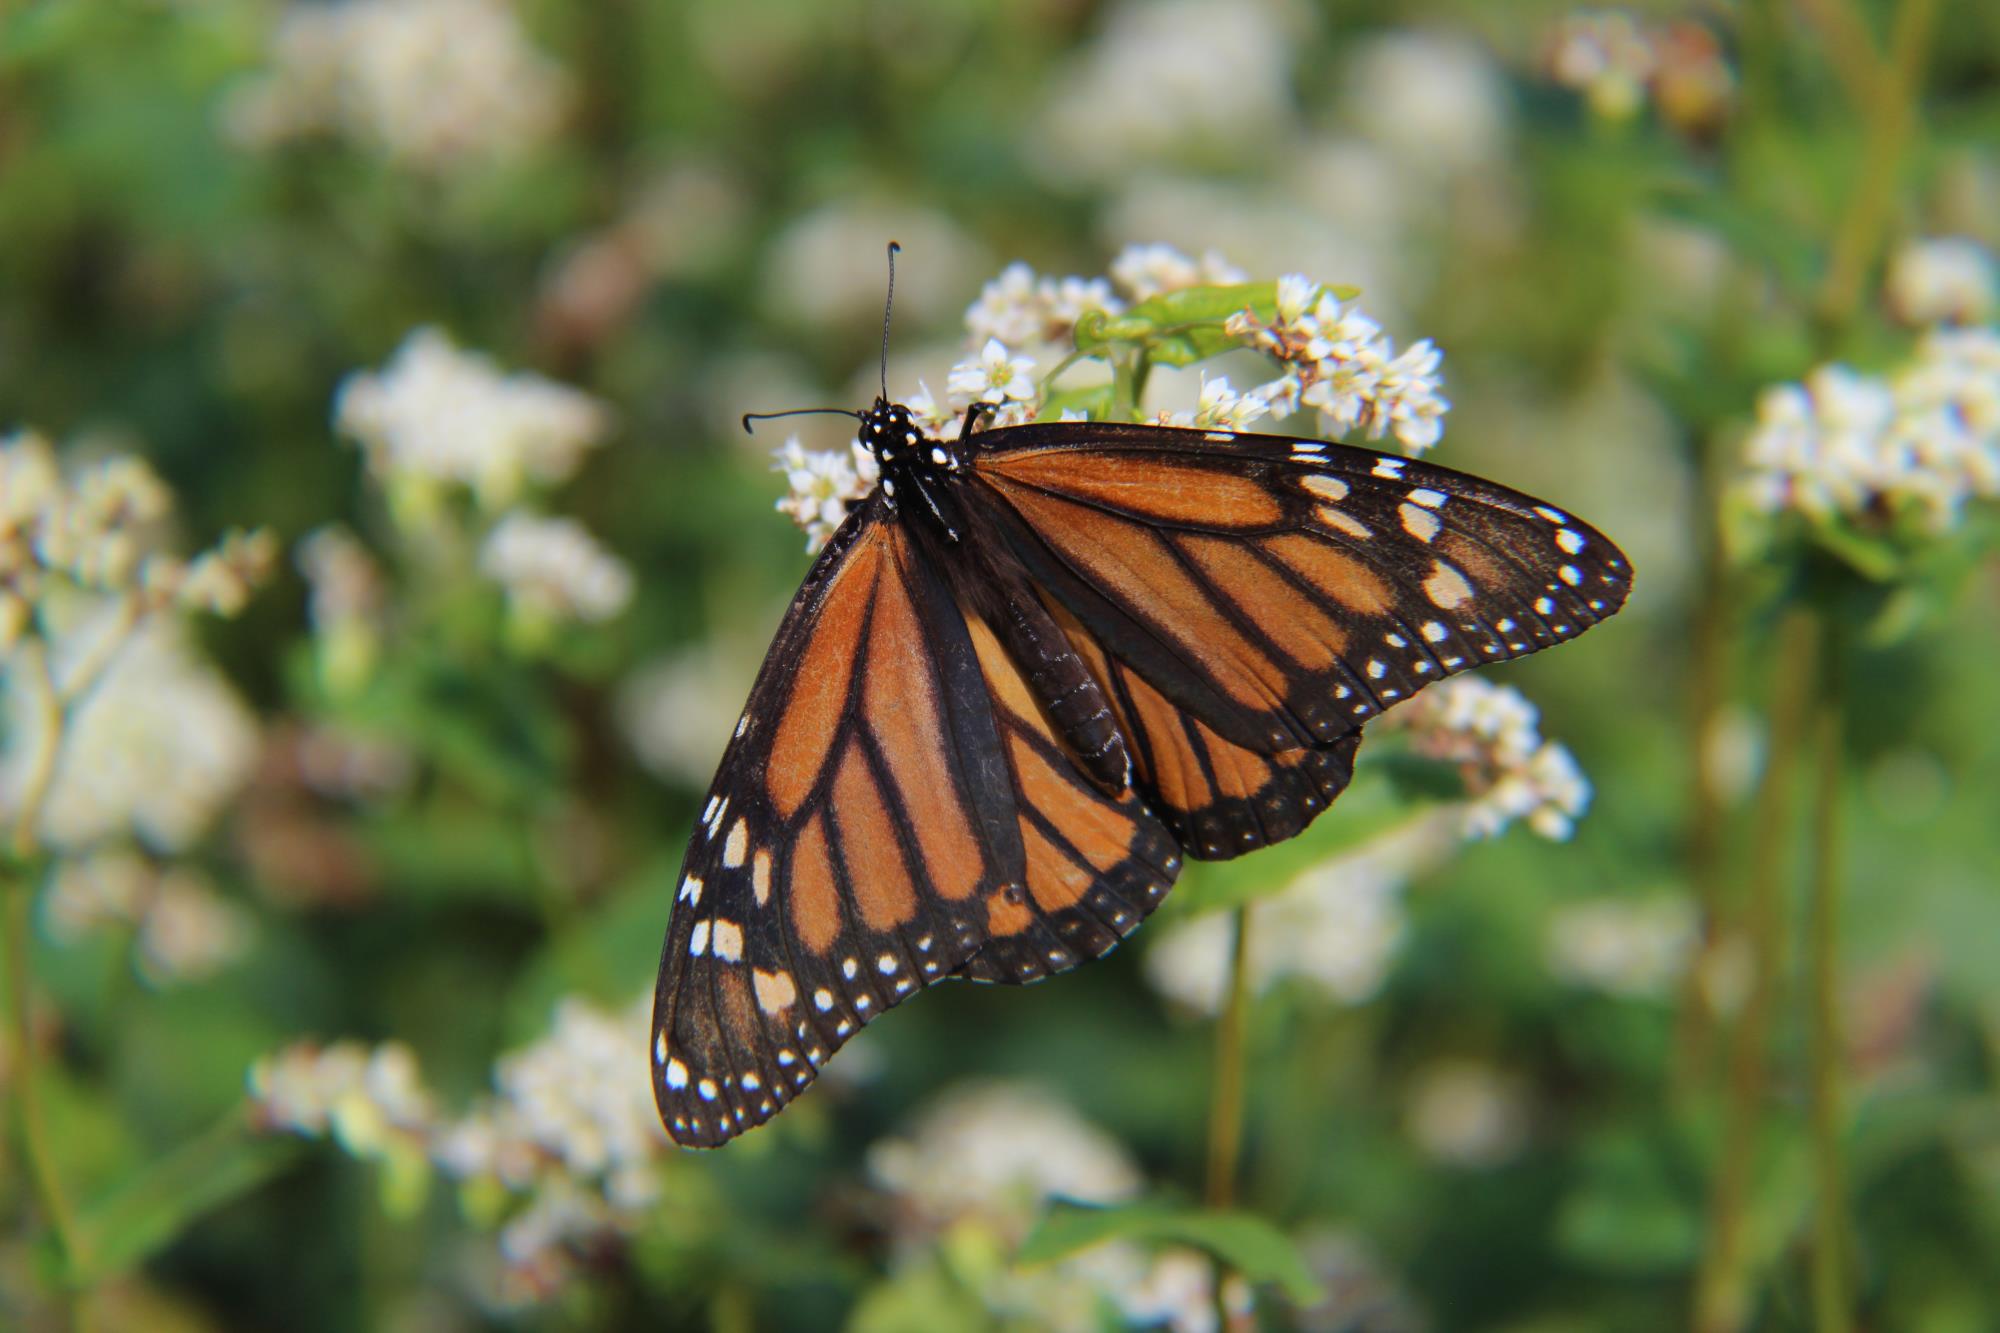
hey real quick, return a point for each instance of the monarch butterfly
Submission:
(1031, 671)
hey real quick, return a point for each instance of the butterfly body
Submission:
(1031, 672)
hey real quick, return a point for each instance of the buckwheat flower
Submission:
(157, 748)
(434, 85)
(1606, 56)
(1339, 362)
(995, 375)
(997, 1151)
(1489, 733)
(1941, 280)
(1335, 929)
(1222, 408)
(371, 1100)
(1009, 308)
(1467, 1113)
(1143, 271)
(1437, 102)
(581, 1095)
(554, 570)
(825, 484)
(348, 598)
(436, 416)
(99, 889)
(1625, 947)
(938, 419)
(189, 932)
(1162, 80)
(676, 712)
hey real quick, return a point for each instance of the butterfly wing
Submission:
(1249, 601)
(881, 817)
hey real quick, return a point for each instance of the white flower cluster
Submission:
(989, 1157)
(349, 597)
(1467, 1113)
(553, 569)
(1335, 928)
(1941, 280)
(1335, 359)
(1846, 445)
(570, 1130)
(97, 531)
(437, 415)
(1167, 79)
(825, 484)
(1617, 63)
(1489, 732)
(1339, 362)
(183, 930)
(1632, 948)
(435, 85)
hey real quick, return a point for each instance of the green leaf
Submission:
(166, 1198)
(1245, 1242)
(1380, 798)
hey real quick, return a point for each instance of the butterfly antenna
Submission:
(749, 417)
(888, 304)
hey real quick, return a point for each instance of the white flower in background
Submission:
(569, 1132)
(1438, 102)
(184, 931)
(582, 1097)
(157, 747)
(1489, 732)
(347, 604)
(677, 712)
(1635, 949)
(1335, 928)
(1849, 445)
(991, 1156)
(1606, 56)
(1144, 271)
(827, 268)
(435, 85)
(998, 1151)
(825, 484)
(189, 931)
(1467, 1113)
(371, 1100)
(1941, 280)
(437, 415)
(554, 570)
(1164, 81)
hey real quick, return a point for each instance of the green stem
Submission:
(1832, 1302)
(1225, 1111)
(1891, 113)
(1722, 1288)
(31, 1128)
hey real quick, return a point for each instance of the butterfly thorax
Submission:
(914, 466)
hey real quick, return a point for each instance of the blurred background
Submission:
(382, 567)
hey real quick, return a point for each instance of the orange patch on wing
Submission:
(1055, 880)
(1003, 678)
(1340, 577)
(1154, 489)
(869, 848)
(1007, 914)
(1177, 775)
(1140, 566)
(1301, 630)
(1096, 827)
(815, 898)
(739, 1017)
(812, 711)
(900, 699)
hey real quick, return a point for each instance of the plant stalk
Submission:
(1722, 1287)
(1831, 1284)
(1225, 1113)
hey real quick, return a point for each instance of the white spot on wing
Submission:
(677, 1074)
(738, 844)
(1340, 522)
(728, 941)
(1446, 586)
(1419, 523)
(760, 876)
(1428, 498)
(698, 942)
(1569, 541)
(1327, 488)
